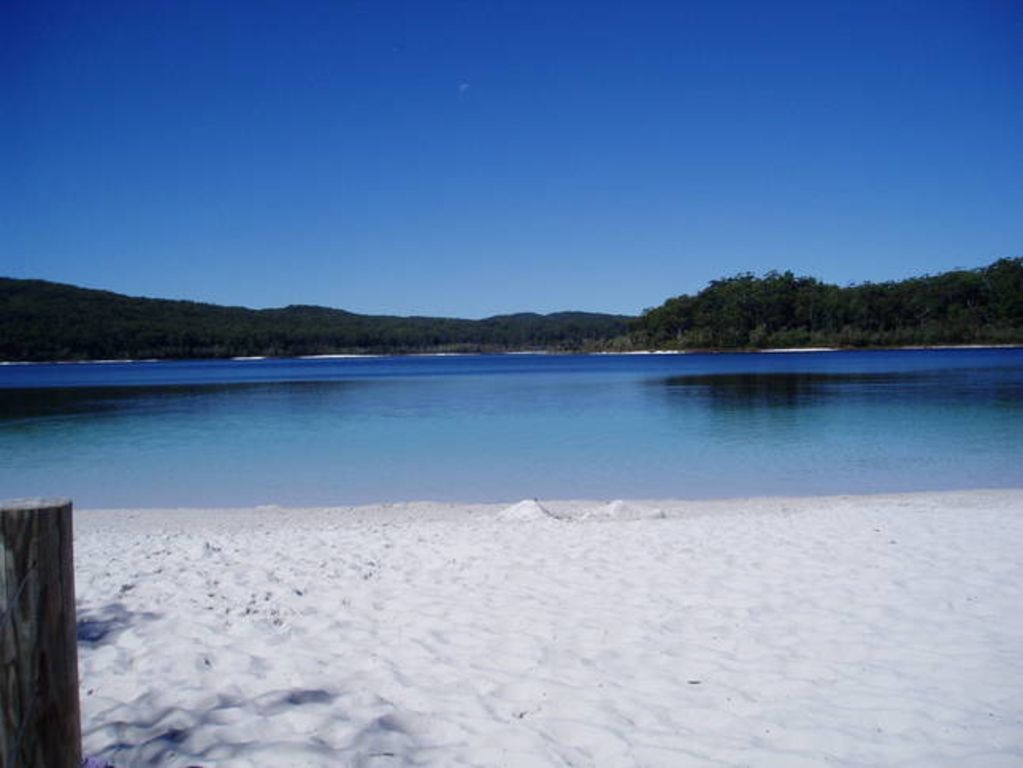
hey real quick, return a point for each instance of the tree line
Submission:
(978, 306)
(41, 320)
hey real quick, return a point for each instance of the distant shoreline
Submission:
(777, 312)
(526, 352)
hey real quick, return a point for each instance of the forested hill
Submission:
(50, 321)
(979, 306)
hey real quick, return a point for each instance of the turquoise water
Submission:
(481, 428)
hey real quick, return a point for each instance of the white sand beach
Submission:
(843, 631)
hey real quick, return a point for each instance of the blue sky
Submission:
(473, 158)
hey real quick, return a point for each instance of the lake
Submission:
(506, 427)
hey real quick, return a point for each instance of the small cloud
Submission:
(463, 87)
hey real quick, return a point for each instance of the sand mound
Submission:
(623, 510)
(526, 510)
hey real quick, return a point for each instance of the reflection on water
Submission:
(803, 389)
(27, 406)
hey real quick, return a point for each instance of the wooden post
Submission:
(38, 652)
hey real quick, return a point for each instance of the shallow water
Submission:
(482, 428)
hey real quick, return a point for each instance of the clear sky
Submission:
(472, 158)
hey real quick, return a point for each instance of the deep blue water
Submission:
(481, 428)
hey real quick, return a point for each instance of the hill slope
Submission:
(41, 320)
(979, 306)
(51, 321)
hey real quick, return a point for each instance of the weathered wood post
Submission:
(38, 653)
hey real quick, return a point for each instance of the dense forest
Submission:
(979, 306)
(50, 321)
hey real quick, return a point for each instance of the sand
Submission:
(846, 631)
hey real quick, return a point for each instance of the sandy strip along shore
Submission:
(845, 631)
